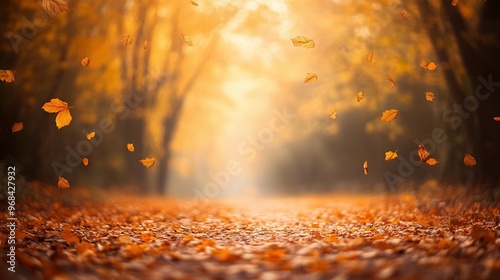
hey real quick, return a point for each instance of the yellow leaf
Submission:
(332, 114)
(55, 7)
(7, 76)
(85, 62)
(301, 41)
(145, 45)
(63, 118)
(148, 162)
(389, 115)
(360, 96)
(126, 40)
(455, 2)
(469, 160)
(55, 106)
(365, 167)
(497, 119)
(85, 161)
(62, 183)
(393, 84)
(429, 96)
(187, 39)
(90, 135)
(18, 126)
(432, 66)
(370, 58)
(389, 155)
(130, 147)
(310, 78)
(194, 3)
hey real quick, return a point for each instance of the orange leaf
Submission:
(126, 40)
(55, 106)
(84, 247)
(148, 162)
(389, 115)
(187, 39)
(332, 114)
(424, 64)
(63, 118)
(18, 126)
(469, 160)
(145, 45)
(69, 237)
(7, 76)
(360, 96)
(432, 66)
(301, 41)
(130, 147)
(424, 156)
(454, 2)
(431, 161)
(370, 58)
(62, 183)
(393, 84)
(391, 155)
(85, 62)
(497, 119)
(55, 7)
(429, 96)
(90, 135)
(310, 78)
(85, 161)
(365, 167)
(194, 3)
(405, 13)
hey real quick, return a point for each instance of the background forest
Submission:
(215, 92)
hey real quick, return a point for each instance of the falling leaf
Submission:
(301, 41)
(405, 13)
(370, 58)
(90, 135)
(365, 167)
(424, 64)
(310, 78)
(148, 162)
(18, 126)
(393, 84)
(389, 155)
(63, 117)
(85, 161)
(432, 66)
(469, 160)
(62, 183)
(360, 96)
(389, 115)
(332, 113)
(497, 119)
(187, 39)
(424, 156)
(454, 2)
(130, 147)
(126, 40)
(194, 3)
(145, 45)
(429, 96)
(7, 76)
(85, 62)
(55, 7)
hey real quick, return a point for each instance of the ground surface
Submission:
(329, 237)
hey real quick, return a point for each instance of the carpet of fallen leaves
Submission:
(329, 237)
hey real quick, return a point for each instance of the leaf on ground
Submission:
(360, 96)
(148, 162)
(85, 62)
(69, 237)
(482, 234)
(90, 135)
(62, 183)
(469, 160)
(429, 96)
(393, 83)
(389, 115)
(7, 76)
(130, 147)
(310, 78)
(55, 7)
(85, 248)
(301, 41)
(18, 126)
(187, 39)
(389, 155)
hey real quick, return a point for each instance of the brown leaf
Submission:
(301, 41)
(62, 183)
(85, 161)
(85, 247)
(370, 58)
(187, 39)
(194, 3)
(85, 62)
(7, 76)
(69, 237)
(130, 147)
(148, 162)
(126, 40)
(55, 7)
(18, 126)
(360, 96)
(405, 14)
(90, 135)
(482, 234)
(310, 78)
(469, 160)
(389, 115)
(389, 155)
(393, 84)
(429, 96)
(497, 119)
(365, 167)
(332, 113)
